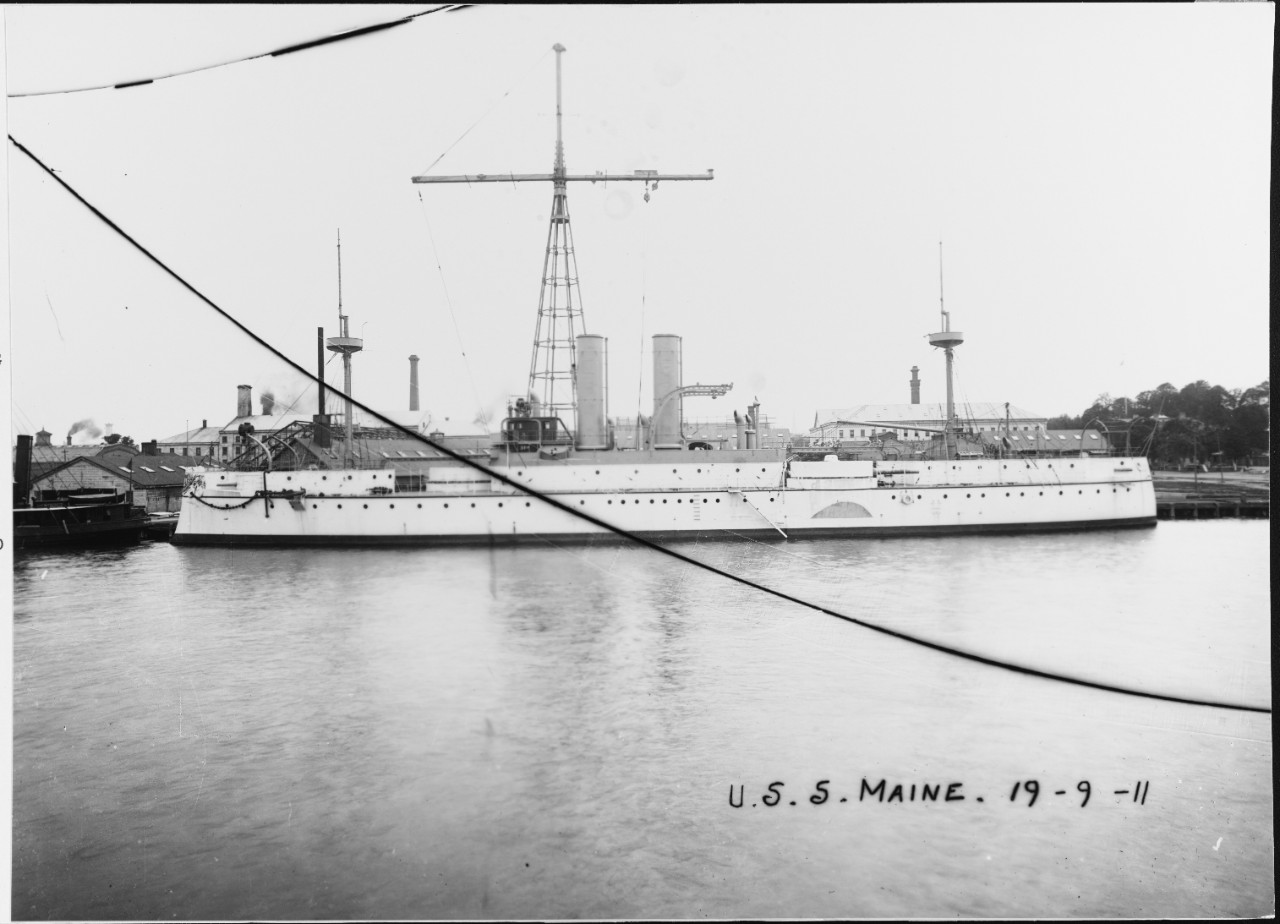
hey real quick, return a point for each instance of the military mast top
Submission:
(551, 379)
(948, 340)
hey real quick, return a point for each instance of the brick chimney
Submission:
(244, 401)
(915, 384)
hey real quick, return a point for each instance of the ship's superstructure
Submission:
(557, 470)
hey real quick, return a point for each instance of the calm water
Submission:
(549, 732)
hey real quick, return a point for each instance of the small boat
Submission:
(160, 526)
(77, 517)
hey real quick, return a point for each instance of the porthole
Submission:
(597, 471)
(893, 497)
(526, 503)
(393, 506)
(919, 497)
(664, 500)
(968, 495)
(679, 500)
(322, 478)
(1059, 493)
(771, 500)
(313, 506)
(288, 478)
(944, 497)
(717, 500)
(499, 503)
(339, 506)
(704, 500)
(651, 500)
(366, 506)
(610, 502)
(982, 495)
(473, 504)
(582, 503)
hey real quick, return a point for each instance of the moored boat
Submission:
(545, 480)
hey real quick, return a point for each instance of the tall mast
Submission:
(948, 340)
(551, 367)
(560, 318)
(347, 346)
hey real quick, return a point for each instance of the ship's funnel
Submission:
(593, 400)
(667, 406)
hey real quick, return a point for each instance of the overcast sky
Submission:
(1099, 176)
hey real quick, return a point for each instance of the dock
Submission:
(1212, 495)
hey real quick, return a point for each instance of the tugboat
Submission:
(71, 518)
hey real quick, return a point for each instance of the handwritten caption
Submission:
(1027, 793)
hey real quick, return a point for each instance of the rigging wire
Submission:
(519, 82)
(637, 539)
(278, 52)
(482, 413)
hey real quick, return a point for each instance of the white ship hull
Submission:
(680, 494)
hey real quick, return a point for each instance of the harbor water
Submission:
(605, 732)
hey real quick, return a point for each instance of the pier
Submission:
(1212, 495)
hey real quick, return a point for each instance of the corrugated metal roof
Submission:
(145, 471)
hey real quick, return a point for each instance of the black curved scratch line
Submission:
(278, 52)
(640, 540)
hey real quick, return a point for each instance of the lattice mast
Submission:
(551, 368)
(560, 317)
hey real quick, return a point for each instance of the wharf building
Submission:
(155, 479)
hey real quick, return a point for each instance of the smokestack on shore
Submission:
(915, 384)
(22, 472)
(244, 401)
(413, 383)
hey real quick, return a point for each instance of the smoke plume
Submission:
(87, 426)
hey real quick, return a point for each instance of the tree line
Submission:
(1196, 424)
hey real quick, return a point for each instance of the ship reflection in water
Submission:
(555, 732)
